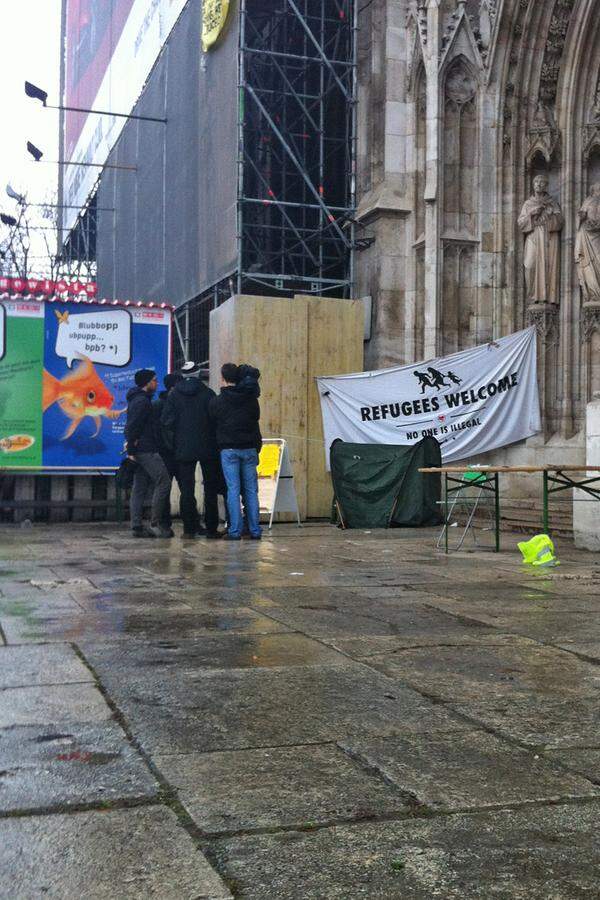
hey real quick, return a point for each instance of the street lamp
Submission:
(14, 195)
(37, 156)
(22, 200)
(32, 90)
(35, 151)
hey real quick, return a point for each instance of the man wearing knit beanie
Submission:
(142, 447)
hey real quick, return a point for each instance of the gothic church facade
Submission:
(478, 157)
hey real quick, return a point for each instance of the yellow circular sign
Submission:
(214, 18)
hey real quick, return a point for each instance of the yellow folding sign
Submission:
(268, 461)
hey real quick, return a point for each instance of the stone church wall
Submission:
(462, 103)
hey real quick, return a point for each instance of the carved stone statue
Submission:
(541, 221)
(587, 247)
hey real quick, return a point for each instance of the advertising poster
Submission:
(64, 378)
(110, 48)
(21, 356)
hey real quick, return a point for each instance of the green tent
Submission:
(380, 486)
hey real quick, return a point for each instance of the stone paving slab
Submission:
(136, 578)
(25, 604)
(467, 769)
(278, 787)
(126, 854)
(363, 648)
(183, 711)
(503, 591)
(584, 762)
(539, 721)
(138, 600)
(376, 617)
(556, 628)
(122, 624)
(487, 608)
(46, 768)
(220, 651)
(322, 622)
(548, 853)
(588, 649)
(41, 664)
(48, 705)
(518, 666)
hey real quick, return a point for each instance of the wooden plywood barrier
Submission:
(291, 341)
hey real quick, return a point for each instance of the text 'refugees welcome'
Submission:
(452, 400)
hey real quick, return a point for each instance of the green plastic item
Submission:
(538, 551)
(474, 477)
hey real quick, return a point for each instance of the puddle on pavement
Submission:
(183, 624)
(50, 738)
(240, 651)
(89, 757)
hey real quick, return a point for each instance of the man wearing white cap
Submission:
(186, 416)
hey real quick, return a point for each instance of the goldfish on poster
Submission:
(79, 394)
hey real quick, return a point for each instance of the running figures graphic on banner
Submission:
(476, 400)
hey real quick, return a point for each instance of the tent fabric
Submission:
(380, 486)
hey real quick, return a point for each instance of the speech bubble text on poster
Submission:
(2, 331)
(103, 337)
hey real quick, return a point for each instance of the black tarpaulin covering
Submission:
(380, 486)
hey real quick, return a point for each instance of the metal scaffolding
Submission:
(296, 159)
(296, 140)
(78, 251)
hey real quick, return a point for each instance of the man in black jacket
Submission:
(163, 438)
(187, 419)
(142, 447)
(236, 413)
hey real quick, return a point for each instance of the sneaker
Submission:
(214, 535)
(141, 532)
(191, 536)
(256, 537)
(232, 537)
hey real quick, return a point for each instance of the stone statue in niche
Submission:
(541, 222)
(587, 247)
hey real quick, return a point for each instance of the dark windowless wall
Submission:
(173, 230)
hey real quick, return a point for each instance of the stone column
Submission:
(432, 228)
(590, 349)
(545, 317)
(586, 516)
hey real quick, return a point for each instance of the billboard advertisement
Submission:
(65, 369)
(110, 48)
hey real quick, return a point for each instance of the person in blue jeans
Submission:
(236, 414)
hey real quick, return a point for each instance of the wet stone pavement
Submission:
(322, 715)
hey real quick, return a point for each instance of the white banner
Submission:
(473, 401)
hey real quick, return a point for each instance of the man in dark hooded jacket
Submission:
(164, 439)
(187, 419)
(142, 447)
(236, 413)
